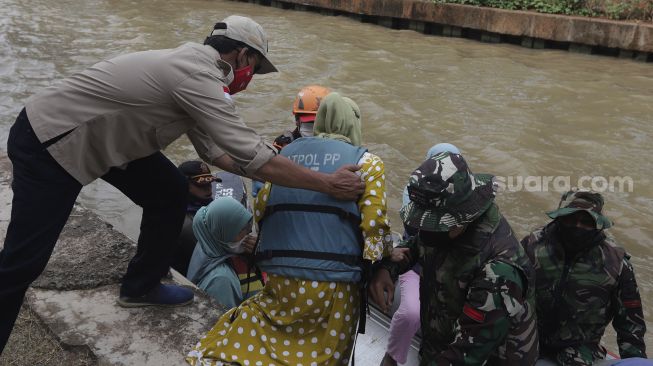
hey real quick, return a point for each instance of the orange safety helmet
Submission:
(308, 101)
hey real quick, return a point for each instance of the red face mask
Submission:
(242, 77)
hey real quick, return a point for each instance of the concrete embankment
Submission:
(624, 39)
(70, 315)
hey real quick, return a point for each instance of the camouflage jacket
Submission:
(475, 296)
(577, 297)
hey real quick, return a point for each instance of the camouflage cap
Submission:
(444, 193)
(581, 200)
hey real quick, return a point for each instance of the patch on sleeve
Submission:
(225, 89)
(474, 314)
(630, 304)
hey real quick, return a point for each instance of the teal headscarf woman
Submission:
(219, 228)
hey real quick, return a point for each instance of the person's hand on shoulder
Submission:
(346, 184)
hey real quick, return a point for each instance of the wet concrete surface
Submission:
(118, 336)
(75, 299)
(88, 254)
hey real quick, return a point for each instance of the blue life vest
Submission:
(307, 234)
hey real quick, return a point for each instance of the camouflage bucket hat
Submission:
(578, 200)
(444, 193)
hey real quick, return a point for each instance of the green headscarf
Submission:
(338, 118)
(218, 224)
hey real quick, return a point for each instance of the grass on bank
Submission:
(611, 9)
(31, 343)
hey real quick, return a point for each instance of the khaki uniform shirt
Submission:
(134, 105)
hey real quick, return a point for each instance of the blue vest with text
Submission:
(307, 234)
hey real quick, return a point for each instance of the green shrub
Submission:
(613, 9)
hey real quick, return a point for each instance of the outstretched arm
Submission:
(247, 154)
(344, 184)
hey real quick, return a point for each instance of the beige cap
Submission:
(246, 30)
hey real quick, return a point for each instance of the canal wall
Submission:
(624, 39)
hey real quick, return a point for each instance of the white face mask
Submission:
(236, 247)
(306, 129)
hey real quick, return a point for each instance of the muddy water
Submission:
(514, 112)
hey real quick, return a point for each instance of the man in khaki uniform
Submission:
(110, 121)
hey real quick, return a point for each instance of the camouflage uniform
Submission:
(579, 294)
(474, 292)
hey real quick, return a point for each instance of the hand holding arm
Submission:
(401, 255)
(380, 285)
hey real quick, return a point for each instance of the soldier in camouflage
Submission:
(584, 282)
(475, 286)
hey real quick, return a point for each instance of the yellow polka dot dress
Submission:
(291, 322)
(301, 322)
(373, 207)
